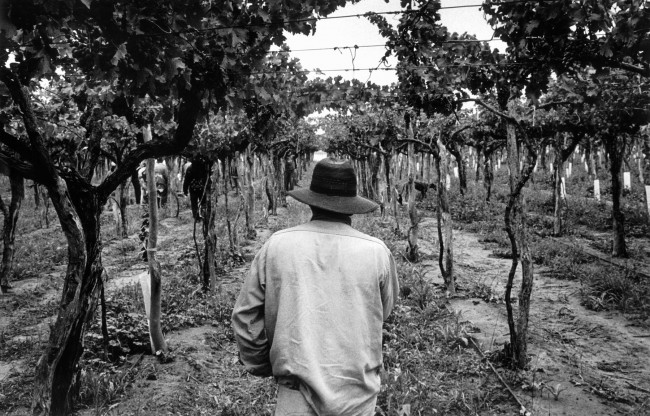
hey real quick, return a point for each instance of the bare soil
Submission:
(598, 361)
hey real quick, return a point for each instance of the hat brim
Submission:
(340, 204)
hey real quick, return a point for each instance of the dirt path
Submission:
(599, 360)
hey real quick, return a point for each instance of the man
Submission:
(234, 173)
(311, 310)
(289, 172)
(161, 178)
(197, 180)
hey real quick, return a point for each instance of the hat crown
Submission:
(334, 178)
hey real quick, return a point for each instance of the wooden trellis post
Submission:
(445, 232)
(155, 276)
(412, 235)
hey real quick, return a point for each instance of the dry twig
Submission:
(512, 393)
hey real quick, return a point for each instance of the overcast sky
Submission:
(348, 32)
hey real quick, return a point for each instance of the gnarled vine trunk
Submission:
(123, 204)
(559, 194)
(645, 157)
(249, 197)
(208, 199)
(388, 175)
(271, 186)
(412, 251)
(445, 223)
(488, 175)
(615, 150)
(461, 161)
(515, 222)
(10, 213)
(375, 165)
(78, 209)
(392, 189)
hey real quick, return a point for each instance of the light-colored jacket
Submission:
(312, 307)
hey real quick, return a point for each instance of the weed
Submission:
(555, 390)
(101, 384)
(484, 291)
(498, 237)
(126, 247)
(562, 262)
(614, 289)
(590, 213)
(453, 332)
(539, 223)
(98, 389)
(16, 389)
(420, 290)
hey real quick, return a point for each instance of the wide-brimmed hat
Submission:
(334, 188)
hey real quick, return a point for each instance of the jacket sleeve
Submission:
(389, 286)
(248, 320)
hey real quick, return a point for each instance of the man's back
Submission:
(328, 288)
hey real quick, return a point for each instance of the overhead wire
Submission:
(307, 71)
(388, 68)
(347, 16)
(379, 45)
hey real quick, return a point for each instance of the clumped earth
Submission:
(589, 353)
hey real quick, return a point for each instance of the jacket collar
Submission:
(323, 215)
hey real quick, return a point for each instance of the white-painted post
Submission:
(570, 169)
(550, 165)
(455, 171)
(627, 183)
(597, 189)
(563, 188)
(647, 197)
(116, 213)
(499, 164)
(448, 182)
(145, 285)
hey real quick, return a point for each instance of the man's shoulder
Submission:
(326, 227)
